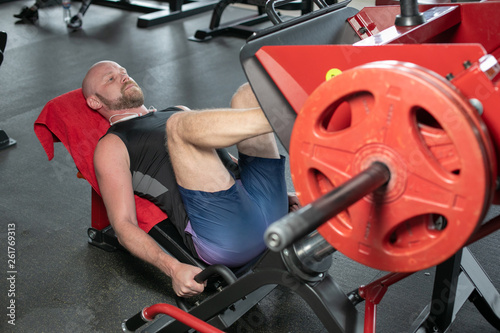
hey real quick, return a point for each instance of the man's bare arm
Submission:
(112, 168)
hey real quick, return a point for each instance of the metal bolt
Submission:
(477, 105)
(449, 76)
(92, 234)
(467, 64)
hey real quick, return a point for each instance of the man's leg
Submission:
(193, 136)
(228, 218)
(260, 146)
(262, 169)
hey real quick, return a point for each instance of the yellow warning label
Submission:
(332, 72)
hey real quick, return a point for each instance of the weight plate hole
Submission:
(347, 111)
(439, 222)
(437, 142)
(425, 118)
(322, 183)
(417, 231)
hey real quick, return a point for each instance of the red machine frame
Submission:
(459, 38)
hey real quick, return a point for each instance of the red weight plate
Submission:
(430, 139)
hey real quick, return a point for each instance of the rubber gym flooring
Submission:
(65, 285)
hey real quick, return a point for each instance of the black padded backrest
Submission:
(326, 26)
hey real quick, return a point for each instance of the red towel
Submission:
(69, 120)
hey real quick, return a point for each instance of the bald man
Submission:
(171, 157)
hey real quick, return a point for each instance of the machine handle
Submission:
(134, 323)
(220, 270)
(271, 10)
(148, 314)
(273, 14)
(296, 225)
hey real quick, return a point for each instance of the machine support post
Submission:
(457, 280)
(410, 15)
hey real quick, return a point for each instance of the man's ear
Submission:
(94, 103)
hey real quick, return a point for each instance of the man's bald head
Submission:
(88, 84)
(108, 85)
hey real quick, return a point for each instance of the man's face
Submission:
(115, 89)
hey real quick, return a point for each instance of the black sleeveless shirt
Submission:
(153, 177)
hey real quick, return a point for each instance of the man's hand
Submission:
(293, 202)
(183, 280)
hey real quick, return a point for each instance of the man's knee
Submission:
(172, 128)
(244, 98)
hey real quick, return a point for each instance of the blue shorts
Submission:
(227, 227)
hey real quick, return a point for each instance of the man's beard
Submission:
(131, 100)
